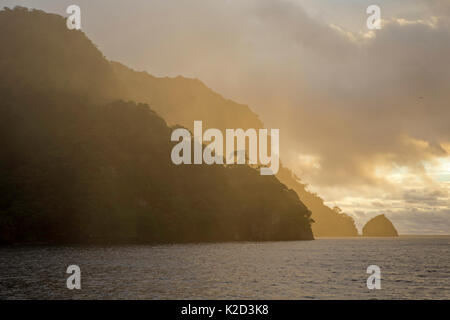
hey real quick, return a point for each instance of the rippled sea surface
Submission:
(411, 268)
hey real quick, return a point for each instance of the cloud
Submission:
(421, 222)
(431, 198)
(362, 114)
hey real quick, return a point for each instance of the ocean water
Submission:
(411, 268)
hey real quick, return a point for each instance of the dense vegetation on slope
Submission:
(181, 101)
(39, 54)
(79, 166)
(327, 222)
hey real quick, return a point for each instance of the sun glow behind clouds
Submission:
(405, 193)
(309, 162)
(439, 170)
(393, 174)
(365, 88)
(425, 196)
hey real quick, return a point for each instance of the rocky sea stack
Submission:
(380, 226)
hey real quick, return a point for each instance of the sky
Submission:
(363, 114)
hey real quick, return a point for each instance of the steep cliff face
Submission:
(77, 165)
(180, 101)
(327, 222)
(380, 226)
(72, 68)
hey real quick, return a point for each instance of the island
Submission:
(380, 226)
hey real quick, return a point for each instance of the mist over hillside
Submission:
(81, 165)
(181, 101)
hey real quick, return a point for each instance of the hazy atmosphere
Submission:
(363, 114)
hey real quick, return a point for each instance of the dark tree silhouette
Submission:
(79, 165)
